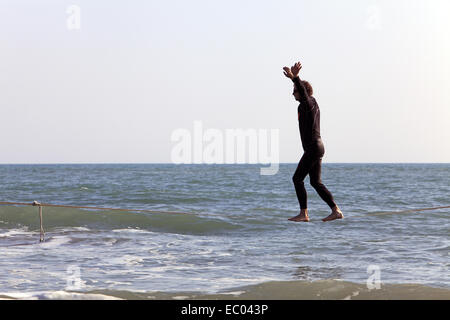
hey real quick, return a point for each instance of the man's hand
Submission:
(295, 69)
(288, 73)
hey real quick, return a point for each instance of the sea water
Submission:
(231, 238)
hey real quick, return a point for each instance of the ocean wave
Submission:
(55, 218)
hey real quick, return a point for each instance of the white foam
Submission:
(118, 283)
(110, 242)
(354, 294)
(131, 230)
(76, 229)
(234, 293)
(128, 260)
(54, 242)
(57, 295)
(15, 232)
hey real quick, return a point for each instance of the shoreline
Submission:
(271, 290)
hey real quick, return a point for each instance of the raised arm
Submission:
(292, 73)
(300, 88)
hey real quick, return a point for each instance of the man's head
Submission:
(308, 88)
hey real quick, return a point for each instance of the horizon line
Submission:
(165, 163)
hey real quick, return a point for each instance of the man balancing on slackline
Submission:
(311, 161)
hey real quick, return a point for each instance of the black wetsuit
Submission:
(311, 161)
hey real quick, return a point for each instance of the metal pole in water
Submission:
(41, 237)
(42, 233)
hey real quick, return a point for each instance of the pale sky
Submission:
(115, 90)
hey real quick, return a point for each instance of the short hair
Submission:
(308, 87)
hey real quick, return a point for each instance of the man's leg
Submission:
(316, 182)
(300, 173)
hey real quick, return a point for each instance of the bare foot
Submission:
(336, 213)
(302, 217)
